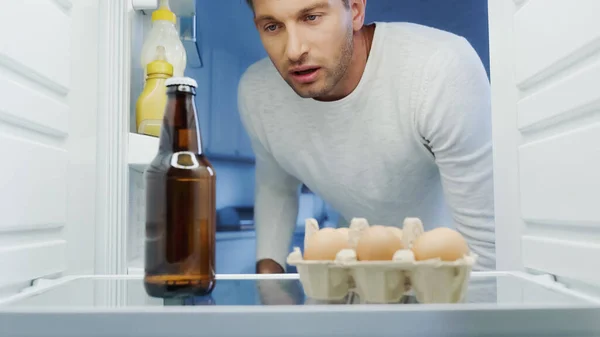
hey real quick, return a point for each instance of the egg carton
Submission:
(431, 281)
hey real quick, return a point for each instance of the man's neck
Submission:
(363, 40)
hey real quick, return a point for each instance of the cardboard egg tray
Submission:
(431, 281)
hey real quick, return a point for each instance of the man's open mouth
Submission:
(305, 72)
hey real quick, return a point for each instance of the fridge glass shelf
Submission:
(497, 304)
(494, 288)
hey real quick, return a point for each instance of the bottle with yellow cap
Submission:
(150, 106)
(164, 33)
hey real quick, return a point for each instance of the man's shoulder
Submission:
(418, 35)
(422, 41)
(428, 51)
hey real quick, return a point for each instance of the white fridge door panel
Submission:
(545, 75)
(551, 35)
(48, 81)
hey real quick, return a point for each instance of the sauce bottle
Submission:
(164, 33)
(180, 203)
(150, 106)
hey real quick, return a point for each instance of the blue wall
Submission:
(225, 27)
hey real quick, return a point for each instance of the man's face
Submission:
(310, 42)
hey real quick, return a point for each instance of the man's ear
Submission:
(358, 9)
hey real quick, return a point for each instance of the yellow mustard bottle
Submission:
(150, 106)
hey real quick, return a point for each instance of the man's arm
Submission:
(454, 120)
(275, 211)
(276, 196)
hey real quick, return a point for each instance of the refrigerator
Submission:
(71, 231)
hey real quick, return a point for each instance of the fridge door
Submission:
(545, 75)
(497, 304)
(48, 105)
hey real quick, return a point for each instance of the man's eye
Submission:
(311, 17)
(271, 28)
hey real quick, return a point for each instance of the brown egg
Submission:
(343, 230)
(396, 231)
(378, 243)
(443, 243)
(325, 244)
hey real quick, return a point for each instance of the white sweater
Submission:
(412, 140)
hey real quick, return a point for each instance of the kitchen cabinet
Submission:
(226, 56)
(227, 138)
(235, 252)
(223, 108)
(68, 162)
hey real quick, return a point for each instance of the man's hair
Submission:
(346, 3)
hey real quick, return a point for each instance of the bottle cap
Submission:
(164, 13)
(181, 81)
(160, 65)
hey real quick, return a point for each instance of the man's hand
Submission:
(268, 266)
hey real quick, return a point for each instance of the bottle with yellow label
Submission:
(151, 103)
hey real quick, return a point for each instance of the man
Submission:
(383, 121)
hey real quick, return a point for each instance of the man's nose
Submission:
(296, 46)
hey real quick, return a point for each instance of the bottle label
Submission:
(184, 160)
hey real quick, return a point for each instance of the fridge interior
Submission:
(228, 43)
(82, 212)
(225, 51)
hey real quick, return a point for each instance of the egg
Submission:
(443, 243)
(378, 243)
(396, 231)
(345, 231)
(325, 244)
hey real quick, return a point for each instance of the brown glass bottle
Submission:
(180, 203)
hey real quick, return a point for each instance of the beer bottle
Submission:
(180, 203)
